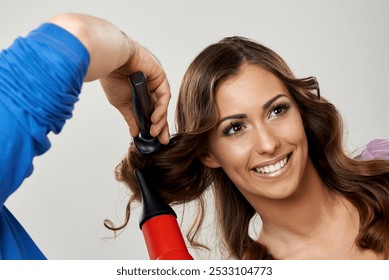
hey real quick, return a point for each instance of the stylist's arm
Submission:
(113, 56)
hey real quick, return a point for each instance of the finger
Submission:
(134, 129)
(164, 136)
(163, 88)
(161, 106)
(129, 117)
(159, 114)
(157, 127)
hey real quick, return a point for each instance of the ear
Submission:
(209, 160)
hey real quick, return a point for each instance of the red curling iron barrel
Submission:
(158, 221)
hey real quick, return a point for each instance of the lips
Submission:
(272, 168)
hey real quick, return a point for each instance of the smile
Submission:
(272, 168)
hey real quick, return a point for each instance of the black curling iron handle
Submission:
(143, 108)
(142, 103)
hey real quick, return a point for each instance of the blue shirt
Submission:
(41, 77)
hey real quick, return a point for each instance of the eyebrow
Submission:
(243, 116)
(271, 101)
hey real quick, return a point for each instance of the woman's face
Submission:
(259, 140)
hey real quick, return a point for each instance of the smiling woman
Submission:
(267, 144)
(256, 134)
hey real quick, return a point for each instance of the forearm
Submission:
(108, 47)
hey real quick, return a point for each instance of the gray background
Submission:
(343, 43)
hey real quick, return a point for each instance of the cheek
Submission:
(230, 155)
(294, 129)
(298, 139)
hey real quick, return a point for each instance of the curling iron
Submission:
(158, 221)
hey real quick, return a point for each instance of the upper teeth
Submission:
(272, 167)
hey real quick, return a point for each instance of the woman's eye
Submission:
(233, 129)
(279, 110)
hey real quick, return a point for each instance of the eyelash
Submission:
(282, 107)
(233, 124)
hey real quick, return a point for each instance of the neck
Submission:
(313, 223)
(303, 214)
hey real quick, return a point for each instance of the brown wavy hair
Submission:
(181, 176)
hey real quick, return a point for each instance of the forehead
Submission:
(252, 85)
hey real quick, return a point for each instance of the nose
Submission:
(265, 141)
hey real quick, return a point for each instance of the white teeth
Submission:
(273, 167)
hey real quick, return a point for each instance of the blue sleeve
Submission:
(41, 77)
